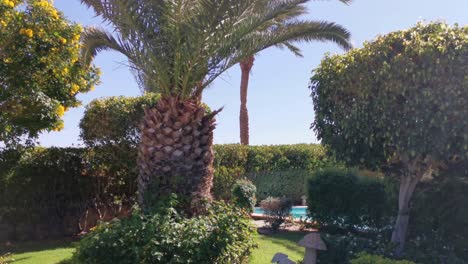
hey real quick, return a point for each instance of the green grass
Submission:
(43, 252)
(269, 245)
(51, 252)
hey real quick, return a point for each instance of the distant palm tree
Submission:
(177, 48)
(299, 30)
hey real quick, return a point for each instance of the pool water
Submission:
(296, 211)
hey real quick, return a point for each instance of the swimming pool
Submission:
(296, 211)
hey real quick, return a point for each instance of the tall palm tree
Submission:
(310, 31)
(178, 48)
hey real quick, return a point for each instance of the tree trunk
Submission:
(175, 155)
(246, 67)
(407, 185)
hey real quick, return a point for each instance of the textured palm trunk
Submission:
(246, 67)
(175, 155)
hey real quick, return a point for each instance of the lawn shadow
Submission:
(40, 245)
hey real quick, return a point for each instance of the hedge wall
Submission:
(43, 188)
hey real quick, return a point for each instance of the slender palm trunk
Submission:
(175, 155)
(246, 67)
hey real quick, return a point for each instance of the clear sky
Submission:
(279, 104)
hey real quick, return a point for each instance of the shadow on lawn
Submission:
(34, 246)
(288, 240)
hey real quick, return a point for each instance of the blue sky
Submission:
(279, 104)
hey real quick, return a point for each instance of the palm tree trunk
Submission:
(175, 155)
(246, 67)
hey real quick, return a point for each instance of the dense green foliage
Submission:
(222, 235)
(277, 210)
(342, 198)
(243, 193)
(114, 120)
(275, 170)
(402, 95)
(40, 74)
(58, 182)
(364, 258)
(439, 230)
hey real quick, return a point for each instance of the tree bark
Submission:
(407, 186)
(246, 67)
(175, 155)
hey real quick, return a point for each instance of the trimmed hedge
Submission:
(343, 198)
(42, 186)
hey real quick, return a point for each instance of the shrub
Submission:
(364, 258)
(342, 198)
(288, 183)
(223, 235)
(244, 194)
(277, 210)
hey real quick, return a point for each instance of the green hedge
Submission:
(41, 186)
(345, 199)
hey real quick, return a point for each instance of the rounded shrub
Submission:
(222, 235)
(342, 198)
(277, 210)
(243, 193)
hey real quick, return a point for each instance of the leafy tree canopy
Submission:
(115, 120)
(401, 97)
(40, 71)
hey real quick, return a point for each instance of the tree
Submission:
(177, 48)
(298, 31)
(399, 104)
(40, 74)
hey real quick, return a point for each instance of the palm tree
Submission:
(309, 31)
(178, 48)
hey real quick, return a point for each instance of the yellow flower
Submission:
(59, 127)
(54, 14)
(65, 71)
(76, 37)
(93, 228)
(7, 60)
(3, 23)
(63, 41)
(27, 32)
(9, 3)
(74, 89)
(42, 3)
(60, 111)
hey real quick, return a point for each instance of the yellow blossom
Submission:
(9, 3)
(63, 41)
(42, 3)
(27, 32)
(3, 23)
(93, 228)
(74, 89)
(7, 60)
(60, 111)
(65, 71)
(76, 37)
(54, 14)
(58, 127)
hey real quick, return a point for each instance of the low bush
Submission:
(223, 235)
(287, 183)
(364, 258)
(341, 198)
(277, 210)
(243, 194)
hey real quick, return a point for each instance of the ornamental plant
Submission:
(399, 104)
(40, 71)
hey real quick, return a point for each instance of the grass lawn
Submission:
(43, 252)
(50, 252)
(269, 245)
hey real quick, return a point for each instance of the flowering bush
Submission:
(40, 71)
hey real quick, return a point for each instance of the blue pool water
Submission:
(296, 211)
